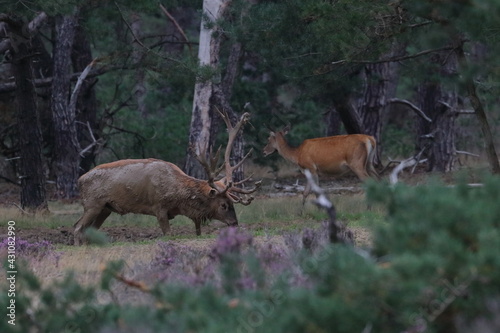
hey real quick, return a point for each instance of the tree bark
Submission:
(223, 97)
(67, 148)
(86, 109)
(440, 105)
(479, 110)
(439, 134)
(332, 119)
(380, 85)
(374, 100)
(139, 89)
(31, 166)
(203, 113)
(349, 116)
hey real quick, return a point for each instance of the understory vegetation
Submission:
(432, 266)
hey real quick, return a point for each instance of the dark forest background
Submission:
(87, 82)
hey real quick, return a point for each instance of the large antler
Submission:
(230, 188)
(210, 166)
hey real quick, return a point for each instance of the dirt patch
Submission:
(133, 234)
(64, 235)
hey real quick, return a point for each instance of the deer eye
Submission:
(224, 206)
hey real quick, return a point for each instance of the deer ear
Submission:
(212, 193)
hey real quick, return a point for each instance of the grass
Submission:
(350, 209)
(265, 219)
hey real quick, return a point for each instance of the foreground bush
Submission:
(434, 267)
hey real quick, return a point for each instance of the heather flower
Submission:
(35, 251)
(175, 263)
(231, 241)
(309, 239)
(165, 256)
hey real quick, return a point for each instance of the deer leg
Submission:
(99, 220)
(164, 222)
(87, 219)
(307, 189)
(197, 224)
(359, 165)
(371, 171)
(361, 173)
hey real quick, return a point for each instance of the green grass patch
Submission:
(264, 216)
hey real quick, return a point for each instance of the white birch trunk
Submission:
(208, 55)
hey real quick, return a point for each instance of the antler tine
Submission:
(231, 190)
(237, 165)
(257, 184)
(232, 132)
(210, 167)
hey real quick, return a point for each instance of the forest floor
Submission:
(272, 187)
(271, 219)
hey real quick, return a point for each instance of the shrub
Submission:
(434, 267)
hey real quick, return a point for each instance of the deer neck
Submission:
(286, 151)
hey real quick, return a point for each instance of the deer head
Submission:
(226, 185)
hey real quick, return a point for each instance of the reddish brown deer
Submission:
(334, 155)
(159, 188)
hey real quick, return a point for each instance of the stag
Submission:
(161, 189)
(334, 155)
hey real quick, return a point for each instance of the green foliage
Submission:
(440, 243)
(162, 134)
(397, 142)
(94, 236)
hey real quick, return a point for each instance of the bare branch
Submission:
(136, 39)
(45, 82)
(177, 26)
(37, 22)
(338, 232)
(78, 85)
(412, 161)
(456, 111)
(412, 106)
(94, 141)
(466, 153)
(399, 58)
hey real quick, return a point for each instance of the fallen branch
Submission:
(296, 188)
(338, 232)
(21, 209)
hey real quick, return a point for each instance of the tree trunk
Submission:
(139, 89)
(373, 101)
(332, 119)
(86, 112)
(380, 83)
(226, 91)
(31, 166)
(202, 114)
(439, 135)
(479, 110)
(67, 148)
(350, 117)
(440, 105)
